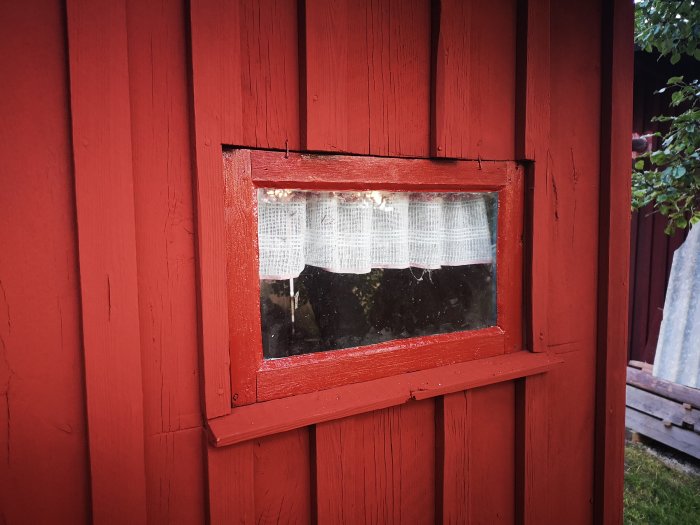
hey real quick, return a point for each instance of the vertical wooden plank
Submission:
(216, 58)
(231, 484)
(453, 435)
(532, 143)
(532, 450)
(209, 103)
(44, 476)
(634, 237)
(378, 467)
(175, 482)
(657, 286)
(474, 85)
(283, 478)
(573, 255)
(533, 80)
(163, 200)
(574, 168)
(642, 284)
(243, 284)
(269, 73)
(262, 481)
(416, 481)
(99, 84)
(491, 476)
(368, 76)
(616, 114)
(245, 66)
(510, 276)
(245, 76)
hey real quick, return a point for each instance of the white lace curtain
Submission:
(353, 232)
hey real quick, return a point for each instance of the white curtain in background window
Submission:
(353, 232)
(281, 233)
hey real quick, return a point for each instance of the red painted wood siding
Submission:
(381, 77)
(43, 436)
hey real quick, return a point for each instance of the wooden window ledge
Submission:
(279, 415)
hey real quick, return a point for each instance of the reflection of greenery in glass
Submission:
(346, 310)
(367, 288)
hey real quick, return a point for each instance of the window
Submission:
(344, 269)
(354, 268)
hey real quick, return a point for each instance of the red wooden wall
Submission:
(110, 108)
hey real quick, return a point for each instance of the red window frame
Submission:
(246, 170)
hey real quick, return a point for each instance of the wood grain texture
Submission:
(532, 143)
(44, 470)
(242, 277)
(302, 374)
(677, 438)
(213, 100)
(344, 171)
(474, 84)
(262, 481)
(533, 80)
(453, 436)
(493, 409)
(280, 415)
(231, 484)
(574, 172)
(377, 467)
(367, 76)
(571, 445)
(476, 445)
(658, 283)
(661, 407)
(532, 450)
(613, 274)
(135, 136)
(102, 154)
(245, 72)
(211, 259)
(245, 85)
(509, 260)
(574, 168)
(175, 480)
(163, 200)
(269, 72)
(674, 391)
(283, 478)
(642, 283)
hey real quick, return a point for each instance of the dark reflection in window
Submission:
(333, 311)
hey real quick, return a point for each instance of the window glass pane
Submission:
(347, 269)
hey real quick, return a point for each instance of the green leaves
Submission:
(668, 27)
(669, 178)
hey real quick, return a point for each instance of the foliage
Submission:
(656, 493)
(669, 178)
(671, 27)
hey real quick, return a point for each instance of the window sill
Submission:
(271, 417)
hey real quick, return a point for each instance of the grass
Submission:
(656, 493)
